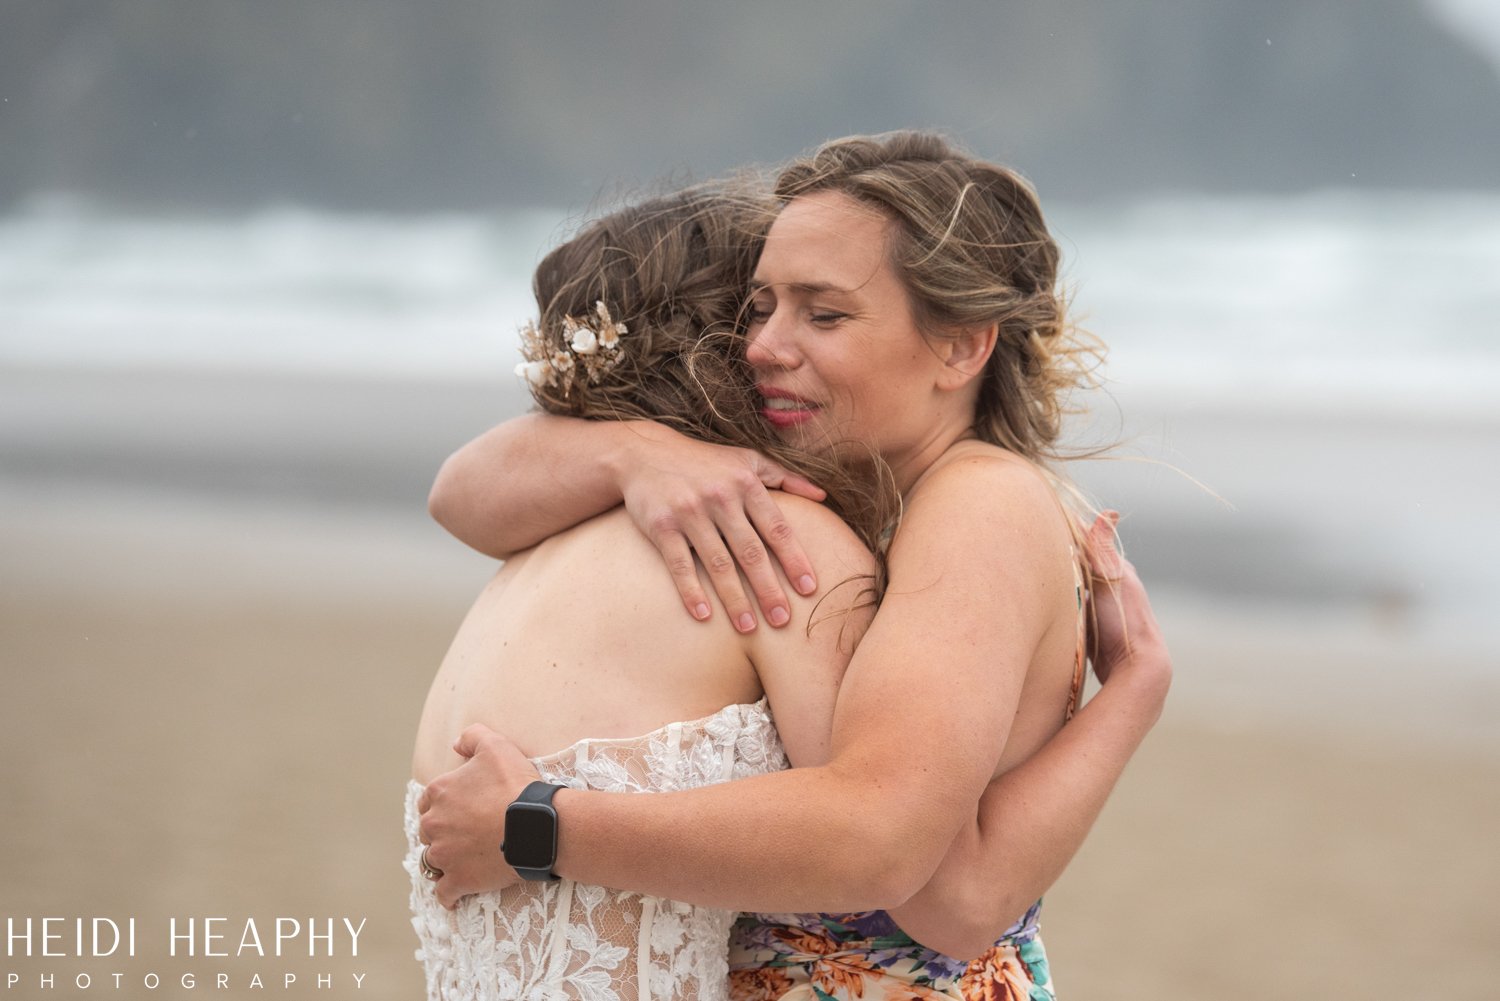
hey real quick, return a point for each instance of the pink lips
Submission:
(785, 417)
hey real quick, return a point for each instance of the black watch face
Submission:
(530, 836)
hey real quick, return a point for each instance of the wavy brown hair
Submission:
(971, 248)
(674, 271)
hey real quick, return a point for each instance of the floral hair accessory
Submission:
(589, 349)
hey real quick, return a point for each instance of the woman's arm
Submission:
(914, 739)
(528, 479)
(1033, 819)
(537, 475)
(800, 667)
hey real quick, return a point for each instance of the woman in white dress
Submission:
(579, 648)
(668, 845)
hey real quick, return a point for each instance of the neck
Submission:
(912, 464)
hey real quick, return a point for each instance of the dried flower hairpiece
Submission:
(589, 350)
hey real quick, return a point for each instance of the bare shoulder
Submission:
(802, 665)
(977, 490)
(826, 625)
(831, 545)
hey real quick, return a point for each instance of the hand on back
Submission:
(463, 814)
(1123, 633)
(690, 498)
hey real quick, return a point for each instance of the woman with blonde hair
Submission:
(904, 305)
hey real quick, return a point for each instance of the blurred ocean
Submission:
(1383, 304)
(1324, 365)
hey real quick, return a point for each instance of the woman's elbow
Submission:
(967, 943)
(886, 889)
(959, 944)
(964, 931)
(443, 500)
(873, 869)
(450, 503)
(893, 870)
(981, 920)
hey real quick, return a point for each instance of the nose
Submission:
(770, 344)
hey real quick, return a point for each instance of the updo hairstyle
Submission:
(673, 270)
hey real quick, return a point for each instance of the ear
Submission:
(964, 355)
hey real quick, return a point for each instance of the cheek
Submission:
(855, 363)
(858, 394)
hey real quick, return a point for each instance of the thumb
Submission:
(467, 744)
(777, 477)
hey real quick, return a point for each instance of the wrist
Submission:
(531, 832)
(1144, 680)
(626, 444)
(566, 803)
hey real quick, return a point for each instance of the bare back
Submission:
(585, 636)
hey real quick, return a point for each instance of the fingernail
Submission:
(746, 622)
(806, 585)
(700, 611)
(778, 616)
(1113, 516)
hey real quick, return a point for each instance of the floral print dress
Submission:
(820, 957)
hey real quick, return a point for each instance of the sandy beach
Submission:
(208, 700)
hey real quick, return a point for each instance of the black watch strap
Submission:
(536, 799)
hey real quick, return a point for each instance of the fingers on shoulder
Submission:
(830, 545)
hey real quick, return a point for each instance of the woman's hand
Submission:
(687, 497)
(537, 475)
(463, 814)
(1123, 633)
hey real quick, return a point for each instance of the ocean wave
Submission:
(1382, 303)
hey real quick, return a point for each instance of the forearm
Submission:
(812, 839)
(527, 479)
(1031, 821)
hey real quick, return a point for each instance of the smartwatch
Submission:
(530, 845)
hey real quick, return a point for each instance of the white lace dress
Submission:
(546, 941)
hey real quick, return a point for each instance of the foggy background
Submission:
(261, 269)
(381, 105)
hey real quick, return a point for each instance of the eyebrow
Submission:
(812, 288)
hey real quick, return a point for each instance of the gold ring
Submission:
(428, 869)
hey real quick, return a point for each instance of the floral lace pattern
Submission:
(548, 941)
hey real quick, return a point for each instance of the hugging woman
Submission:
(905, 326)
